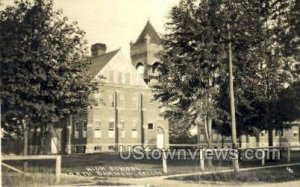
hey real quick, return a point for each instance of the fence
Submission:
(264, 150)
(57, 159)
(178, 164)
(165, 164)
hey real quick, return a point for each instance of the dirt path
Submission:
(161, 182)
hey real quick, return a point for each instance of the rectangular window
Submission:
(122, 125)
(97, 125)
(84, 129)
(135, 101)
(276, 132)
(84, 125)
(150, 126)
(111, 126)
(97, 129)
(134, 125)
(111, 100)
(97, 148)
(98, 98)
(122, 128)
(77, 128)
(295, 133)
(127, 78)
(279, 132)
(134, 133)
(119, 77)
(111, 77)
(79, 149)
(111, 148)
(111, 130)
(122, 101)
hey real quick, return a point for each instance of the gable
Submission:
(120, 71)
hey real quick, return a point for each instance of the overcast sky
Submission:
(115, 22)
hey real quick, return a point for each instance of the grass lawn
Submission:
(80, 162)
(43, 171)
(14, 179)
(271, 175)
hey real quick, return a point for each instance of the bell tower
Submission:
(144, 50)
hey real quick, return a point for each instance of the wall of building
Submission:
(130, 109)
(286, 137)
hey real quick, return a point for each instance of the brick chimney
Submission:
(98, 49)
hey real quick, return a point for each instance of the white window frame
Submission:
(84, 129)
(120, 78)
(97, 129)
(76, 129)
(135, 101)
(111, 132)
(134, 133)
(111, 77)
(127, 78)
(121, 101)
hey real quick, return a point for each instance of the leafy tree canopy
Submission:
(43, 75)
(193, 79)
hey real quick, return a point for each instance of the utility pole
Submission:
(232, 103)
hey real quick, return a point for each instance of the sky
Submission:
(115, 22)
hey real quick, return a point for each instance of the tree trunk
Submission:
(210, 146)
(41, 140)
(25, 141)
(232, 103)
(208, 126)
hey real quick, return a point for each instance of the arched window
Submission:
(140, 69)
(155, 67)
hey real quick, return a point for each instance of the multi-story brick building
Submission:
(126, 113)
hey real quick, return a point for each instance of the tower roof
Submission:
(150, 31)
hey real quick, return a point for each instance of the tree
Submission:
(181, 134)
(43, 76)
(263, 68)
(193, 82)
(193, 59)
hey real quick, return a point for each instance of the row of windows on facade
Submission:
(279, 132)
(81, 149)
(121, 78)
(111, 148)
(124, 78)
(130, 101)
(111, 129)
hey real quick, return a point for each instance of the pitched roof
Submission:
(149, 30)
(97, 63)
